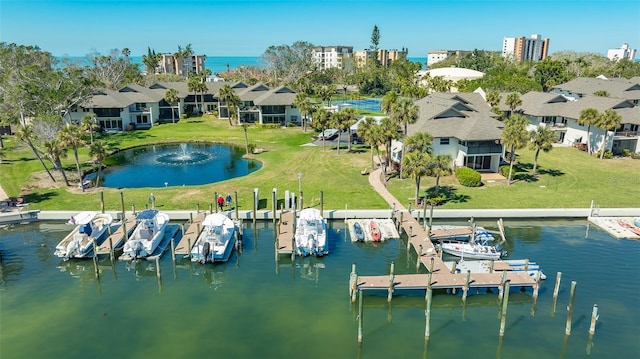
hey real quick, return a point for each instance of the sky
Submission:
(249, 27)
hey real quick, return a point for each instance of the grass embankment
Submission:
(567, 178)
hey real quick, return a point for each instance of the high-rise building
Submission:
(331, 56)
(381, 56)
(186, 65)
(624, 52)
(434, 56)
(522, 48)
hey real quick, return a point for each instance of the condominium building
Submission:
(522, 48)
(186, 65)
(434, 56)
(382, 57)
(327, 57)
(624, 52)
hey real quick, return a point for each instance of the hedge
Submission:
(468, 177)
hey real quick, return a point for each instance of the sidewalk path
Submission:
(3, 195)
(375, 180)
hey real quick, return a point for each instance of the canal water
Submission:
(256, 307)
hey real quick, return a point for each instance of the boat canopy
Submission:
(215, 219)
(83, 218)
(147, 214)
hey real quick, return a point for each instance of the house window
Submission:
(444, 141)
(140, 119)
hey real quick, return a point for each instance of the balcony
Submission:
(626, 133)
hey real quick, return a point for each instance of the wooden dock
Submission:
(285, 238)
(117, 238)
(190, 235)
(441, 276)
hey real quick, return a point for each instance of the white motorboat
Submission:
(472, 249)
(311, 233)
(90, 227)
(147, 235)
(216, 241)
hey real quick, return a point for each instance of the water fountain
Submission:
(181, 164)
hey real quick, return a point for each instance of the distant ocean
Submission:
(214, 63)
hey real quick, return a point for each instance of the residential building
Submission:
(435, 56)
(327, 57)
(561, 113)
(381, 56)
(617, 88)
(186, 65)
(522, 48)
(139, 107)
(463, 127)
(624, 52)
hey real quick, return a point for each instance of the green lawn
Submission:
(568, 178)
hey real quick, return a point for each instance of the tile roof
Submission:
(618, 88)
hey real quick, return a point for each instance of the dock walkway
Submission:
(117, 238)
(190, 235)
(441, 276)
(284, 240)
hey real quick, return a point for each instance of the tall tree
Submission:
(230, 99)
(375, 38)
(366, 130)
(337, 120)
(26, 135)
(608, 121)
(246, 137)
(349, 119)
(390, 132)
(303, 102)
(405, 113)
(513, 100)
(419, 141)
(54, 150)
(389, 100)
(151, 61)
(287, 64)
(88, 122)
(494, 98)
(514, 136)
(99, 150)
(549, 73)
(171, 96)
(113, 70)
(321, 119)
(415, 164)
(72, 136)
(439, 165)
(589, 116)
(542, 138)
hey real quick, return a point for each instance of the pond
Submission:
(184, 164)
(256, 307)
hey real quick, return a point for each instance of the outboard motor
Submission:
(205, 252)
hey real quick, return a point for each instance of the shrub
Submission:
(252, 147)
(183, 116)
(468, 177)
(272, 126)
(626, 153)
(504, 171)
(607, 154)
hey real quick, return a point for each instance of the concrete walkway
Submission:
(376, 181)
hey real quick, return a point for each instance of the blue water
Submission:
(177, 165)
(256, 307)
(216, 64)
(370, 104)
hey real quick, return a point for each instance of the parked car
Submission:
(329, 134)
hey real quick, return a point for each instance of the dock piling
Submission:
(111, 255)
(158, 267)
(491, 264)
(567, 330)
(360, 313)
(235, 194)
(465, 289)
(391, 280)
(427, 328)
(453, 267)
(322, 206)
(557, 285)
(122, 204)
(95, 259)
(353, 283)
(503, 281)
(274, 204)
(536, 287)
(505, 303)
(101, 201)
(594, 319)
(173, 250)
(255, 205)
(211, 208)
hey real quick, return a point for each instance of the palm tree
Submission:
(234, 103)
(494, 98)
(55, 152)
(589, 116)
(390, 133)
(303, 102)
(151, 61)
(439, 165)
(230, 99)
(321, 119)
(337, 121)
(72, 136)
(514, 136)
(513, 100)
(366, 130)
(26, 135)
(419, 141)
(350, 118)
(404, 113)
(610, 120)
(194, 86)
(388, 101)
(415, 163)
(100, 150)
(246, 138)
(171, 96)
(326, 92)
(88, 122)
(542, 138)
